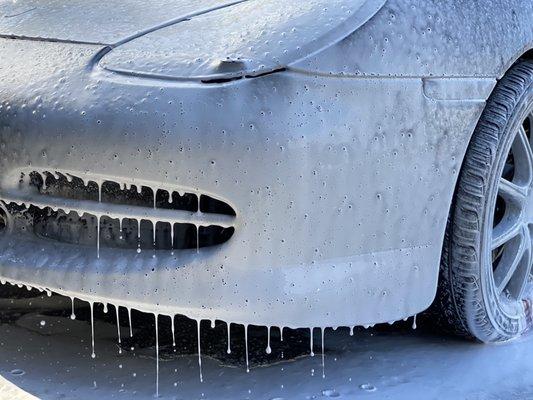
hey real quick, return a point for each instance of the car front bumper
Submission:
(341, 185)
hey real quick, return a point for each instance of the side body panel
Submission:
(433, 38)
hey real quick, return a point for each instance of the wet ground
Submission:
(45, 353)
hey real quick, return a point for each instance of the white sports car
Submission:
(313, 163)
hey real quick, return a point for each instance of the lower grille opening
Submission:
(74, 229)
(65, 208)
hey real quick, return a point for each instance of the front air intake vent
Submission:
(66, 208)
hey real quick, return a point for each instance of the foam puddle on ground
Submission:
(282, 355)
(47, 354)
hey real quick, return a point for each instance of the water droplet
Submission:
(72, 315)
(367, 387)
(199, 350)
(268, 348)
(246, 348)
(330, 393)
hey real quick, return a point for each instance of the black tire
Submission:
(469, 302)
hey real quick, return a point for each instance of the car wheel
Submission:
(486, 261)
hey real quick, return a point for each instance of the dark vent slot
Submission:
(214, 235)
(187, 201)
(64, 208)
(210, 205)
(112, 192)
(61, 187)
(81, 230)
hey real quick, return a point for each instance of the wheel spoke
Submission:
(511, 192)
(513, 255)
(523, 158)
(509, 226)
(504, 232)
(519, 279)
(529, 120)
